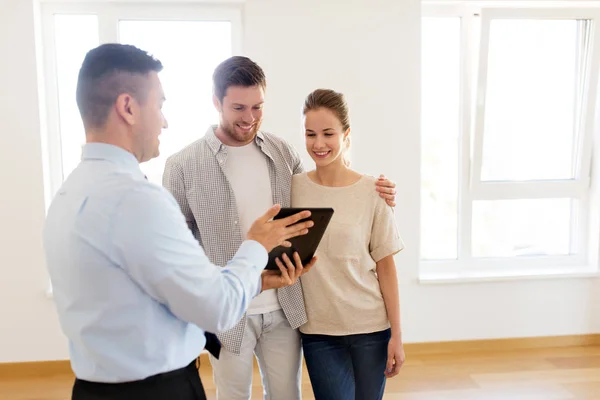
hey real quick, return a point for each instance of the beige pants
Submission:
(278, 350)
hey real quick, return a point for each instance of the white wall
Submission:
(369, 49)
(29, 328)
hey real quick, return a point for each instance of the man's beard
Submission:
(231, 132)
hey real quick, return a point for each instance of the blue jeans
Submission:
(347, 367)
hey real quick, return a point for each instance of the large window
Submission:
(189, 40)
(508, 107)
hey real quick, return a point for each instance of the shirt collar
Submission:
(112, 153)
(216, 145)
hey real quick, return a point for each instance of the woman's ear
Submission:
(347, 138)
(345, 156)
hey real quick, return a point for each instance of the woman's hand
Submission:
(395, 357)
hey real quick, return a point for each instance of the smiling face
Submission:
(325, 136)
(326, 126)
(241, 113)
(239, 93)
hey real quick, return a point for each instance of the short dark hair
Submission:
(108, 71)
(237, 71)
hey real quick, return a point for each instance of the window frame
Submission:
(473, 79)
(109, 15)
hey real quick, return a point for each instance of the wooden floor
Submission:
(540, 374)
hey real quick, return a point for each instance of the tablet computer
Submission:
(305, 245)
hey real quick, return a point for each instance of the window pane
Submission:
(189, 51)
(531, 100)
(75, 35)
(529, 227)
(440, 138)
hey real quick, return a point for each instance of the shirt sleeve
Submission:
(297, 160)
(173, 182)
(155, 247)
(385, 238)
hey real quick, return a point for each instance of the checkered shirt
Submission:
(196, 179)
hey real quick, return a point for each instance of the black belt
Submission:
(182, 384)
(151, 379)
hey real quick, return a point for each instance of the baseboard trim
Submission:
(37, 369)
(485, 345)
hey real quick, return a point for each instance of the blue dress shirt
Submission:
(134, 290)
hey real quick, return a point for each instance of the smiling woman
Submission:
(327, 125)
(354, 345)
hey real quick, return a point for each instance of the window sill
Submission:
(494, 275)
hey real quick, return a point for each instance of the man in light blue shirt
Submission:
(134, 290)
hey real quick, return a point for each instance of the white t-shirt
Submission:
(247, 171)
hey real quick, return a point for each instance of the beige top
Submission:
(342, 293)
